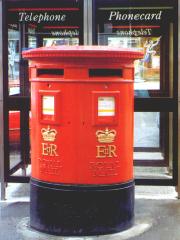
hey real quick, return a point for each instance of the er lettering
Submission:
(106, 151)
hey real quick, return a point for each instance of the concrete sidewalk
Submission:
(157, 212)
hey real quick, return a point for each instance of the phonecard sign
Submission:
(48, 105)
(106, 106)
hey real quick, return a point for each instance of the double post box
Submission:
(81, 139)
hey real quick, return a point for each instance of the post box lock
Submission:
(105, 107)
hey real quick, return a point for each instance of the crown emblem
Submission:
(106, 136)
(48, 134)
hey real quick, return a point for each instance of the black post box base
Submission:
(81, 210)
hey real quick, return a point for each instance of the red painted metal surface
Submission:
(82, 114)
(14, 127)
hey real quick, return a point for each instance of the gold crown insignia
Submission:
(48, 134)
(106, 136)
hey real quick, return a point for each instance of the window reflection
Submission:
(147, 70)
(147, 129)
(152, 137)
(32, 26)
(32, 39)
(60, 41)
(144, 28)
(14, 138)
(13, 59)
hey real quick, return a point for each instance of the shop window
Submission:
(151, 28)
(145, 28)
(32, 25)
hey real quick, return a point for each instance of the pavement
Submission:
(157, 216)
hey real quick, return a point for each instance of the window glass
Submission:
(153, 144)
(146, 129)
(32, 38)
(155, 172)
(19, 164)
(145, 28)
(13, 58)
(32, 25)
(60, 41)
(152, 136)
(14, 138)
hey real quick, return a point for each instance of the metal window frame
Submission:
(2, 137)
(178, 89)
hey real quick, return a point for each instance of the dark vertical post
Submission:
(2, 182)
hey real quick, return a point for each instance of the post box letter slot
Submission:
(101, 72)
(44, 72)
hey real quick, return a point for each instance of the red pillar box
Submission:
(81, 139)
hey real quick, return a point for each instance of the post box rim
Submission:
(83, 52)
